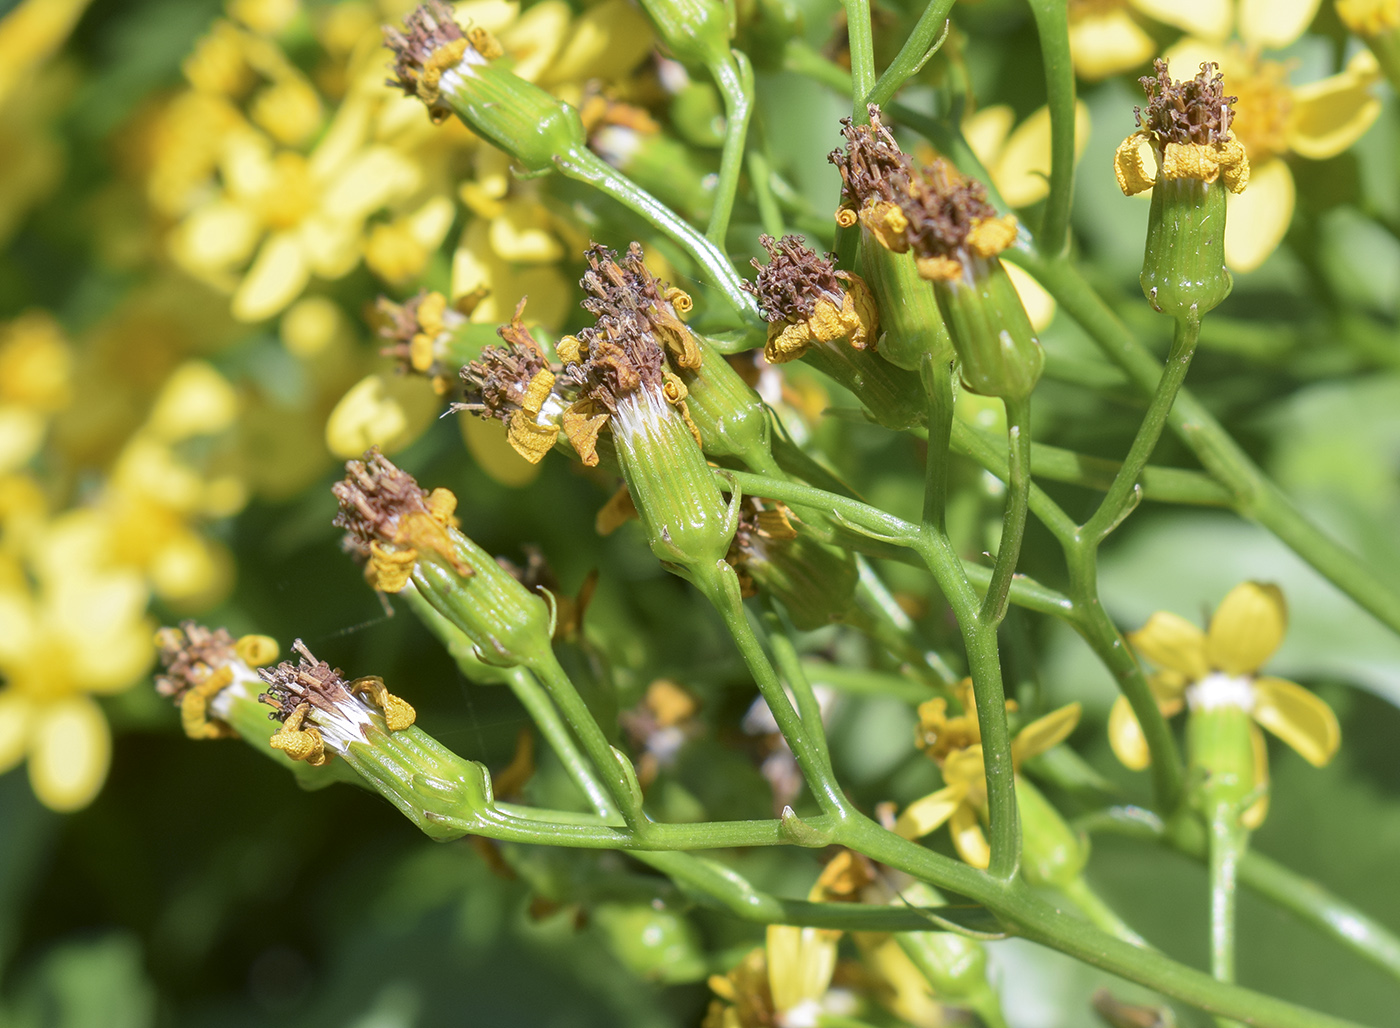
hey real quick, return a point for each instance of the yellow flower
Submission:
(1369, 18)
(955, 743)
(35, 365)
(1107, 37)
(30, 33)
(1221, 666)
(1273, 119)
(75, 635)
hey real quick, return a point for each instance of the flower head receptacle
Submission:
(426, 335)
(406, 533)
(453, 72)
(1184, 151)
(1217, 670)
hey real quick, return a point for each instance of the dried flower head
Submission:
(1184, 132)
(868, 165)
(388, 516)
(628, 289)
(431, 43)
(807, 301)
(205, 671)
(948, 221)
(762, 524)
(320, 712)
(420, 329)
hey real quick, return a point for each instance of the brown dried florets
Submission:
(419, 329)
(308, 681)
(499, 381)
(870, 160)
(628, 289)
(190, 654)
(794, 279)
(942, 208)
(762, 523)
(376, 497)
(616, 358)
(1194, 111)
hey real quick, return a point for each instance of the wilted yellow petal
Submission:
(924, 815)
(1254, 816)
(1257, 219)
(70, 749)
(1104, 44)
(1126, 738)
(16, 716)
(1135, 165)
(1298, 717)
(1274, 24)
(968, 838)
(1209, 19)
(1045, 732)
(1170, 641)
(277, 277)
(1329, 115)
(1247, 628)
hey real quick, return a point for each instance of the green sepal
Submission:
(730, 416)
(430, 785)
(1220, 759)
(516, 116)
(1183, 266)
(911, 325)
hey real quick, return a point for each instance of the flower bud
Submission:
(695, 31)
(730, 416)
(429, 336)
(404, 532)
(1185, 132)
(1052, 853)
(453, 72)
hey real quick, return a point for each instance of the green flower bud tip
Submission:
(1183, 150)
(1052, 853)
(404, 532)
(695, 31)
(452, 72)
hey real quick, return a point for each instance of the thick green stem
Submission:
(938, 385)
(1226, 844)
(1013, 525)
(586, 166)
(735, 80)
(779, 639)
(923, 42)
(1099, 913)
(861, 38)
(1052, 25)
(770, 215)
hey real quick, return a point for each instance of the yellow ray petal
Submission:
(1257, 219)
(986, 131)
(968, 838)
(1254, 816)
(1021, 172)
(1329, 115)
(70, 749)
(535, 39)
(1209, 19)
(1045, 732)
(16, 716)
(1126, 738)
(277, 277)
(522, 234)
(493, 452)
(1274, 24)
(1171, 642)
(1105, 44)
(1039, 304)
(607, 41)
(801, 962)
(1247, 628)
(1298, 717)
(924, 815)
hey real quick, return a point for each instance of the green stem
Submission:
(770, 215)
(1125, 491)
(924, 41)
(1161, 484)
(586, 166)
(1052, 25)
(779, 638)
(722, 590)
(620, 784)
(1255, 495)
(938, 386)
(978, 445)
(1091, 905)
(861, 38)
(1226, 844)
(734, 78)
(556, 733)
(1018, 484)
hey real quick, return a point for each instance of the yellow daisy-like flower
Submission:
(35, 364)
(1274, 119)
(1107, 37)
(955, 743)
(1221, 666)
(73, 636)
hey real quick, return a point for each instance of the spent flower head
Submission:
(205, 671)
(808, 302)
